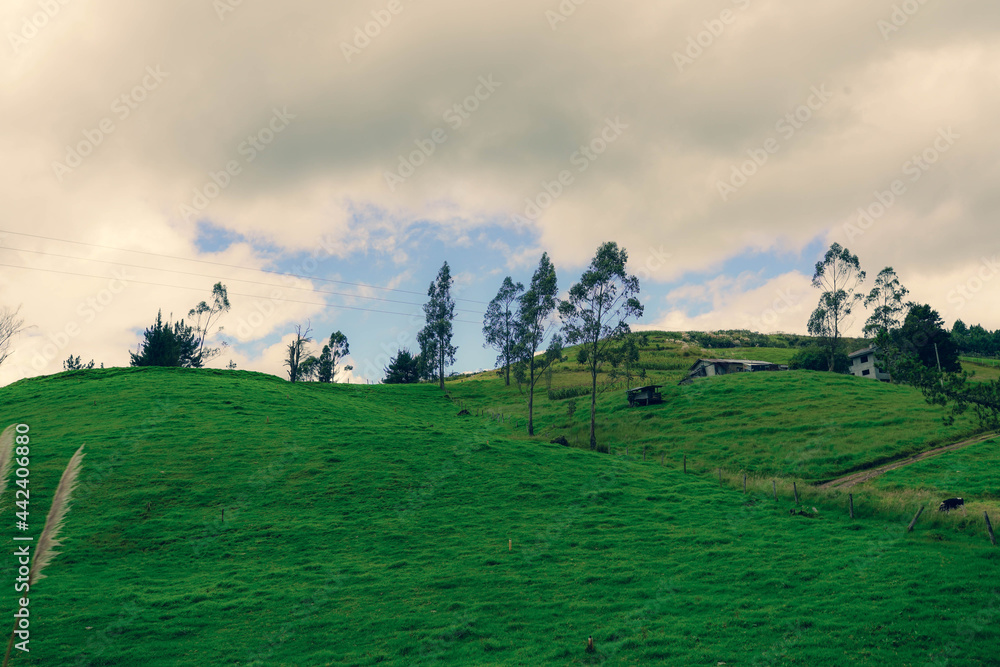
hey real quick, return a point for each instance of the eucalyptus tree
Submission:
(499, 325)
(535, 324)
(435, 337)
(839, 276)
(596, 314)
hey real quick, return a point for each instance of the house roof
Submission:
(858, 353)
(651, 386)
(733, 361)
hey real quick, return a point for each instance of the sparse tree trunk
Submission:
(441, 368)
(833, 343)
(531, 397)
(593, 400)
(508, 352)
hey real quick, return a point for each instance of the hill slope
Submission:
(370, 525)
(810, 425)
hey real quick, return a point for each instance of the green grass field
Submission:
(984, 370)
(370, 525)
(972, 472)
(984, 361)
(808, 425)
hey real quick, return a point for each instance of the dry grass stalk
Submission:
(6, 455)
(48, 541)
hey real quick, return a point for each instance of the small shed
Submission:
(644, 395)
(712, 367)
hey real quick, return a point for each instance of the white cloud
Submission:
(780, 304)
(320, 180)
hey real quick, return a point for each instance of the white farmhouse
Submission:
(865, 364)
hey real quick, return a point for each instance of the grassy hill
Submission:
(370, 525)
(984, 370)
(970, 472)
(808, 425)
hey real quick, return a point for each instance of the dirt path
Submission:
(865, 475)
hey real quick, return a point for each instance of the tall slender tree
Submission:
(499, 325)
(205, 315)
(295, 353)
(887, 298)
(534, 324)
(839, 275)
(597, 313)
(333, 353)
(435, 337)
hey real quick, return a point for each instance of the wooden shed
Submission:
(644, 395)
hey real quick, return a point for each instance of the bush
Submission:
(164, 344)
(404, 368)
(815, 359)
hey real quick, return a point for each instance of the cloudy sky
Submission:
(152, 149)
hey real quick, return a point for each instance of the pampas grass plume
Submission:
(6, 456)
(45, 550)
(48, 541)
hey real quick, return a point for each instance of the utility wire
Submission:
(215, 277)
(231, 266)
(199, 289)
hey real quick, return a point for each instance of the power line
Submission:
(231, 266)
(215, 277)
(199, 289)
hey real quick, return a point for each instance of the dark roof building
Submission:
(644, 395)
(712, 367)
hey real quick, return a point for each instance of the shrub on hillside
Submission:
(404, 368)
(165, 344)
(816, 359)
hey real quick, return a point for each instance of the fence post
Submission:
(915, 517)
(850, 504)
(744, 482)
(989, 529)
(685, 464)
(795, 490)
(644, 453)
(774, 489)
(661, 459)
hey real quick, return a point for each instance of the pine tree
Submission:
(164, 344)
(402, 369)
